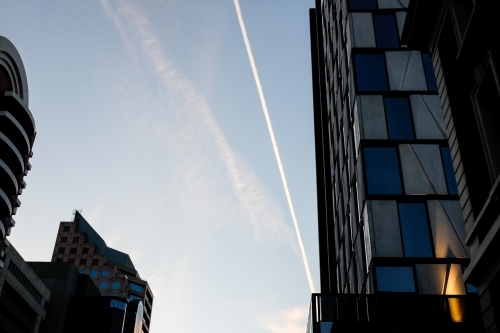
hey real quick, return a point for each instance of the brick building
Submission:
(112, 271)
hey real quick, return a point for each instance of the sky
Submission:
(149, 120)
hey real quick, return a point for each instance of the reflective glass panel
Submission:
(382, 171)
(93, 273)
(448, 170)
(103, 285)
(395, 279)
(115, 285)
(429, 72)
(415, 230)
(398, 119)
(105, 273)
(362, 4)
(136, 287)
(370, 72)
(386, 32)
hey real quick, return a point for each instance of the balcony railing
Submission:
(394, 313)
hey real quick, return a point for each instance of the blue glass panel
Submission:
(136, 287)
(429, 72)
(362, 4)
(81, 271)
(382, 171)
(370, 72)
(386, 32)
(105, 273)
(398, 119)
(415, 230)
(103, 285)
(470, 287)
(325, 326)
(395, 279)
(93, 273)
(448, 170)
(115, 285)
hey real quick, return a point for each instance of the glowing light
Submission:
(457, 310)
(273, 140)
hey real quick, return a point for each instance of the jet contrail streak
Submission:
(273, 140)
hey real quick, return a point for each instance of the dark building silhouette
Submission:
(464, 44)
(391, 231)
(76, 304)
(23, 295)
(112, 271)
(17, 134)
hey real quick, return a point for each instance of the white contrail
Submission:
(273, 140)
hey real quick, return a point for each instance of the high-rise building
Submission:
(23, 295)
(17, 134)
(462, 37)
(391, 231)
(112, 271)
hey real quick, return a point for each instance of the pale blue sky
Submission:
(148, 119)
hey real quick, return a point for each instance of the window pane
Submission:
(103, 285)
(398, 118)
(93, 273)
(395, 279)
(105, 273)
(136, 287)
(362, 4)
(448, 170)
(429, 72)
(370, 72)
(385, 31)
(115, 285)
(382, 171)
(415, 230)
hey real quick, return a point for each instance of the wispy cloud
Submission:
(287, 321)
(196, 131)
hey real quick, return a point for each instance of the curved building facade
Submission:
(17, 134)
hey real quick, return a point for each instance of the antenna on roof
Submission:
(74, 213)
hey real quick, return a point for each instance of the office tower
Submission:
(76, 304)
(112, 271)
(17, 133)
(462, 37)
(391, 232)
(23, 296)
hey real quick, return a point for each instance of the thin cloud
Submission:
(274, 143)
(287, 321)
(255, 204)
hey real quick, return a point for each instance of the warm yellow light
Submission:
(456, 310)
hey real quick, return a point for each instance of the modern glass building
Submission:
(462, 36)
(17, 134)
(112, 271)
(391, 231)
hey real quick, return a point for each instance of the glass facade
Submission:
(391, 218)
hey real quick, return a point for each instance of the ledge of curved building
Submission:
(16, 161)
(15, 132)
(5, 205)
(8, 48)
(8, 181)
(11, 102)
